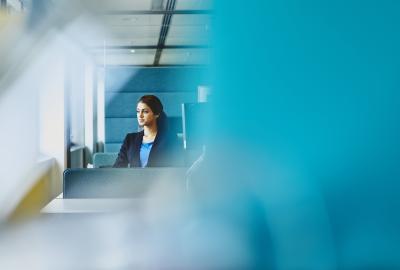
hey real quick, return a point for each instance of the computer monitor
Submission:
(194, 125)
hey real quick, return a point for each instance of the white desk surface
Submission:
(65, 206)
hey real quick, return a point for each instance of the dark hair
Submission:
(157, 108)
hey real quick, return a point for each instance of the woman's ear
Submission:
(157, 115)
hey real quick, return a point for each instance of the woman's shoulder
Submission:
(132, 136)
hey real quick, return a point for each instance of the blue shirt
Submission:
(145, 149)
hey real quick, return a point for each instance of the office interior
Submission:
(287, 114)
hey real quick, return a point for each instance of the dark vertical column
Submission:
(38, 12)
(67, 115)
(95, 114)
(3, 4)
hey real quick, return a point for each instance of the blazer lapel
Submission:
(154, 149)
(136, 150)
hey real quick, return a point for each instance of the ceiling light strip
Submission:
(158, 12)
(164, 32)
(147, 47)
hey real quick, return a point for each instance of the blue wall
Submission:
(125, 85)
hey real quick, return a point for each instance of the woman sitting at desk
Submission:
(154, 146)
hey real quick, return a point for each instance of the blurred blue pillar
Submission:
(314, 87)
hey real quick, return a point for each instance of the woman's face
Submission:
(145, 115)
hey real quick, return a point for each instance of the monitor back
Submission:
(121, 182)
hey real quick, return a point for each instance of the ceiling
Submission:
(132, 32)
(152, 32)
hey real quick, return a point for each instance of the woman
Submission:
(154, 146)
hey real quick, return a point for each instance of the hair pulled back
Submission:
(157, 108)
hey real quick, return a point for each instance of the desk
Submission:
(81, 206)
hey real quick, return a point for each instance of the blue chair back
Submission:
(104, 160)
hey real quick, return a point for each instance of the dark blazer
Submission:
(166, 151)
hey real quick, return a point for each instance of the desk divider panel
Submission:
(121, 183)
